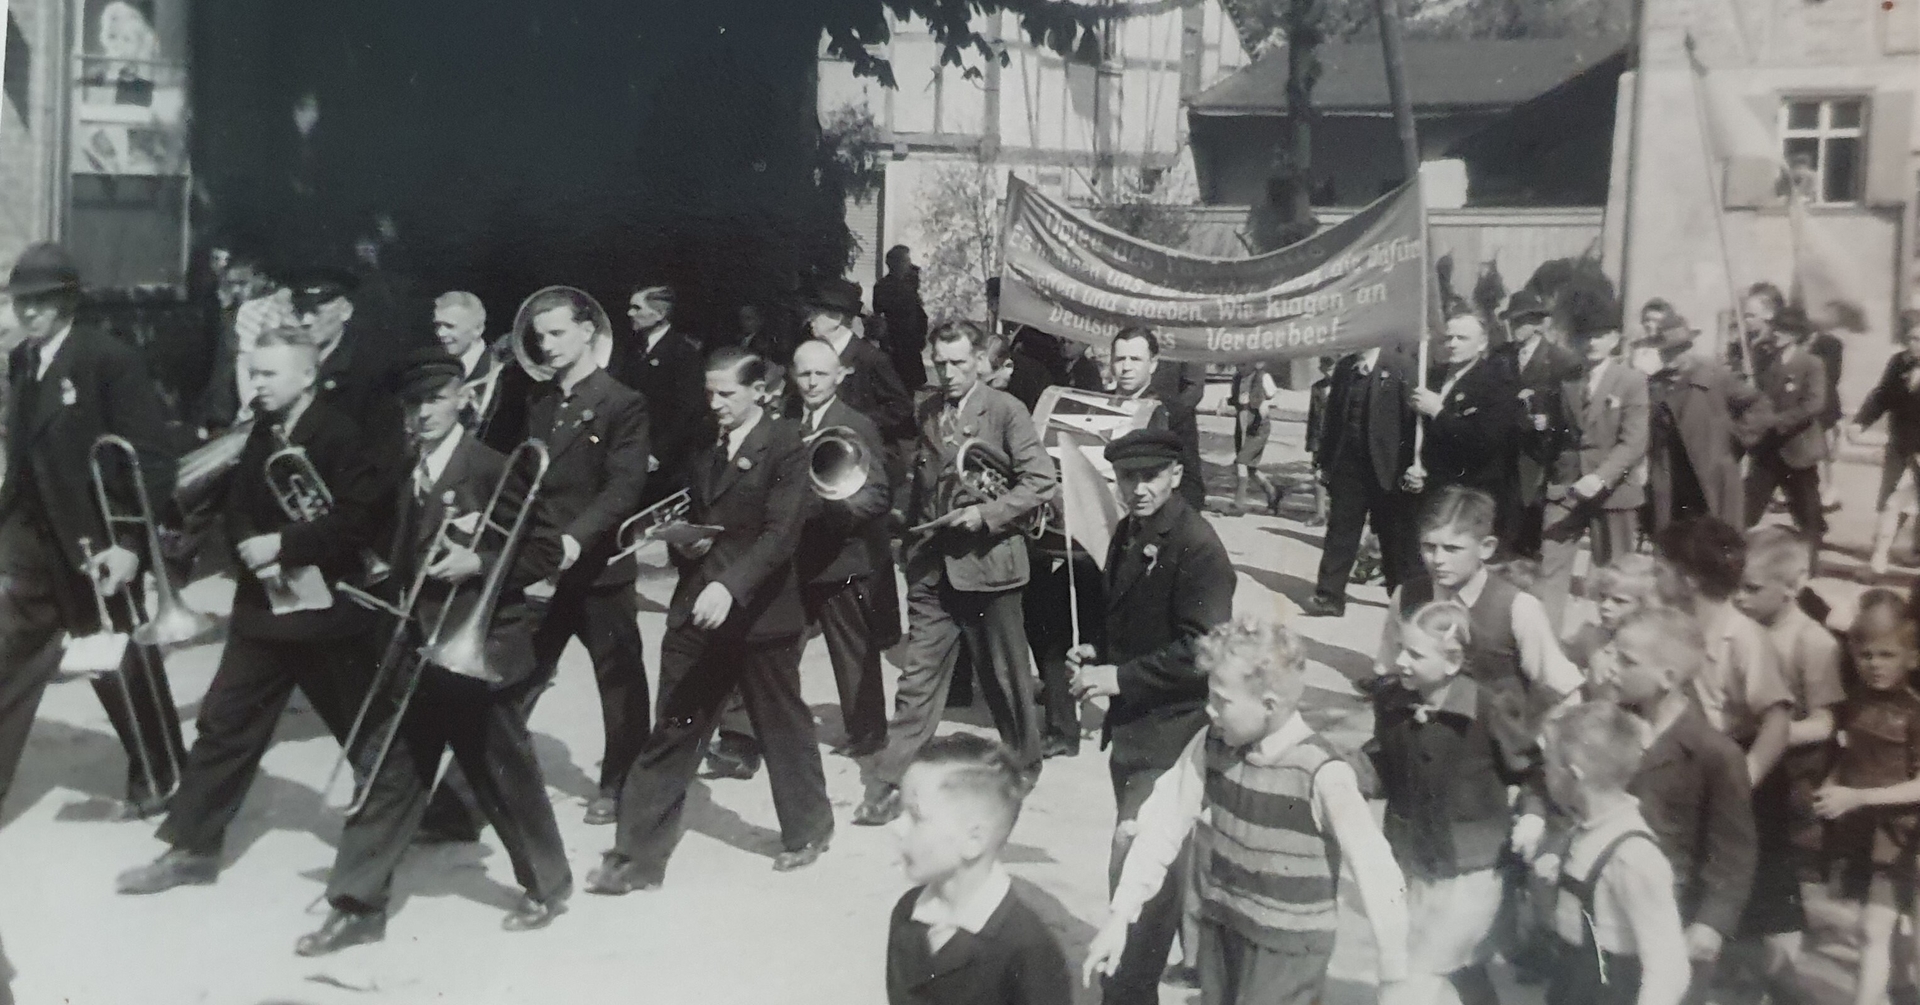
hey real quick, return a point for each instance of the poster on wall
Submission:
(130, 100)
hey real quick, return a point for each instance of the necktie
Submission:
(422, 478)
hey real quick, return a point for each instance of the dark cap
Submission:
(43, 268)
(426, 371)
(1144, 450)
(318, 284)
(1522, 305)
(839, 295)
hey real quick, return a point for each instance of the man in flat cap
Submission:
(1168, 582)
(70, 386)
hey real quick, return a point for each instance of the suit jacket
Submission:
(95, 385)
(1158, 607)
(352, 382)
(995, 558)
(1012, 961)
(1896, 398)
(1472, 441)
(597, 470)
(1606, 436)
(761, 499)
(1390, 417)
(874, 387)
(1183, 422)
(848, 538)
(1181, 384)
(471, 474)
(1698, 397)
(672, 379)
(1795, 386)
(333, 543)
(1541, 380)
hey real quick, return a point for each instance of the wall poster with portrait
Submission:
(130, 101)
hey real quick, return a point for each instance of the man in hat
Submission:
(351, 378)
(483, 722)
(69, 387)
(1136, 369)
(1692, 470)
(1543, 365)
(664, 365)
(1789, 450)
(1168, 583)
(871, 386)
(896, 299)
(596, 432)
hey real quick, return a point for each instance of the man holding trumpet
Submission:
(442, 522)
(70, 386)
(319, 645)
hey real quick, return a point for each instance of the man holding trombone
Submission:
(300, 510)
(464, 513)
(69, 388)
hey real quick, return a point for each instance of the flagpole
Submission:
(1386, 12)
(1066, 532)
(1695, 68)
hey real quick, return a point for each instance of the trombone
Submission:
(171, 623)
(463, 650)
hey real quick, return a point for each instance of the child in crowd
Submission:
(1277, 816)
(1779, 564)
(1629, 584)
(1447, 815)
(1870, 797)
(961, 935)
(1615, 915)
(1692, 781)
(1744, 694)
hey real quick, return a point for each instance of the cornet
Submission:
(645, 526)
(303, 495)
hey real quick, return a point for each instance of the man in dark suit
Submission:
(1169, 582)
(965, 575)
(1542, 365)
(735, 620)
(301, 634)
(69, 387)
(460, 326)
(665, 365)
(483, 721)
(871, 385)
(1364, 453)
(896, 300)
(596, 432)
(1473, 422)
(1139, 373)
(1794, 382)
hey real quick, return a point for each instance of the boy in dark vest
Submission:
(1275, 812)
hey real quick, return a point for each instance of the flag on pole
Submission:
(1087, 505)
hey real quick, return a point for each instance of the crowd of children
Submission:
(1650, 800)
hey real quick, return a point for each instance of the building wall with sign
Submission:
(1831, 84)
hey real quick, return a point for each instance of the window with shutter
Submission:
(1823, 142)
(1889, 149)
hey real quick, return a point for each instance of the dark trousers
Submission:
(238, 717)
(940, 620)
(697, 671)
(1766, 471)
(604, 619)
(487, 731)
(1136, 980)
(1529, 521)
(1050, 633)
(31, 625)
(1354, 497)
(842, 611)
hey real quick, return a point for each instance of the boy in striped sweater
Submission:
(1274, 814)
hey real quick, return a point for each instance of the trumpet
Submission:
(645, 526)
(461, 651)
(303, 495)
(171, 623)
(836, 463)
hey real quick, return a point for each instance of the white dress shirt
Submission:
(470, 360)
(434, 462)
(655, 334)
(736, 437)
(944, 920)
(51, 348)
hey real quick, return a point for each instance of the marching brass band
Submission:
(413, 552)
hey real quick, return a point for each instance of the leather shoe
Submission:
(343, 929)
(724, 766)
(1059, 746)
(531, 913)
(616, 876)
(1318, 606)
(604, 810)
(857, 749)
(878, 809)
(175, 867)
(138, 808)
(801, 857)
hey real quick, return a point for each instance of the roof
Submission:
(1443, 74)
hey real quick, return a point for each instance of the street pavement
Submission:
(723, 929)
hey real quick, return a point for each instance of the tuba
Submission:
(523, 342)
(837, 462)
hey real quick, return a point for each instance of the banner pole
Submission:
(1386, 12)
(1066, 531)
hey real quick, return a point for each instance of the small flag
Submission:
(1087, 504)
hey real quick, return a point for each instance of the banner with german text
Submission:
(1355, 285)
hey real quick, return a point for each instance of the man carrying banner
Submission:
(1168, 582)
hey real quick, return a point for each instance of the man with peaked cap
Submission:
(1168, 583)
(482, 722)
(69, 387)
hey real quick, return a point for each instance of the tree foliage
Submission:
(962, 224)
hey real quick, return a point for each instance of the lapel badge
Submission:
(586, 416)
(1526, 393)
(1790, 387)
(655, 361)
(67, 393)
(1151, 553)
(329, 384)
(743, 463)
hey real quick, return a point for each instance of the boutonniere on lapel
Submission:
(1152, 554)
(743, 463)
(68, 396)
(329, 384)
(1613, 401)
(1791, 387)
(1526, 394)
